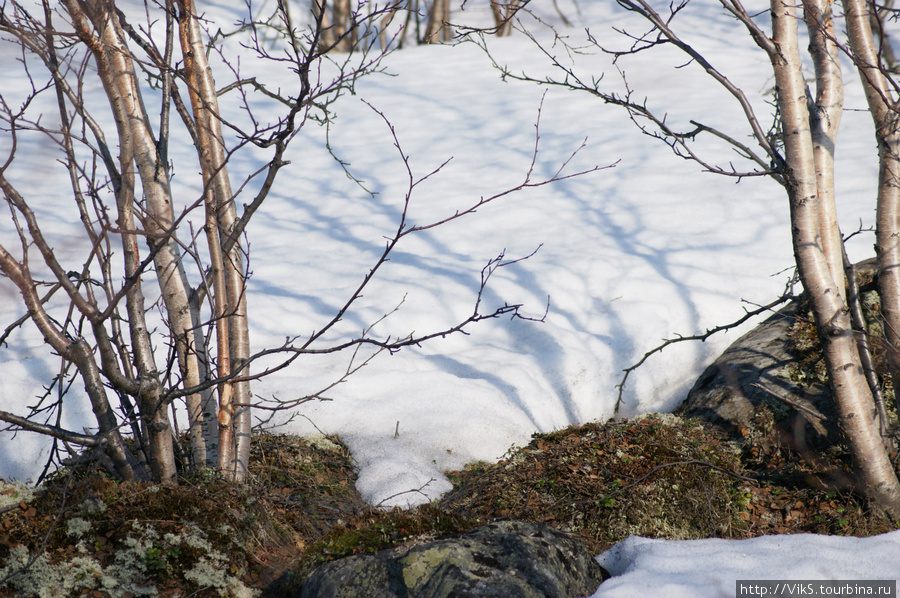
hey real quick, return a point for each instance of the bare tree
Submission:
(798, 152)
(342, 24)
(339, 30)
(438, 27)
(98, 311)
(503, 15)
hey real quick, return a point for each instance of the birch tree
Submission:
(799, 153)
(93, 309)
(438, 28)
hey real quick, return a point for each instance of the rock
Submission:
(504, 559)
(726, 393)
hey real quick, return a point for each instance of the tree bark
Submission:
(137, 146)
(854, 400)
(234, 400)
(504, 11)
(438, 27)
(344, 32)
(76, 351)
(326, 36)
(879, 96)
(824, 123)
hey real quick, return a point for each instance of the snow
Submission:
(629, 255)
(710, 568)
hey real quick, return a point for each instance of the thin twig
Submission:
(697, 337)
(862, 341)
(813, 415)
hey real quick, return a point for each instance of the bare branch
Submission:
(696, 337)
(48, 430)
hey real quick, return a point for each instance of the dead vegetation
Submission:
(656, 476)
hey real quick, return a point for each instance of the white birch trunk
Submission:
(879, 95)
(852, 395)
(320, 12)
(234, 401)
(824, 122)
(438, 29)
(136, 145)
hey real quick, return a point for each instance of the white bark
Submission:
(854, 400)
(882, 106)
(438, 27)
(97, 25)
(824, 123)
(234, 400)
(326, 37)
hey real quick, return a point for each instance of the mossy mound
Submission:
(86, 534)
(655, 475)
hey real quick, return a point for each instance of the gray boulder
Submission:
(738, 391)
(507, 559)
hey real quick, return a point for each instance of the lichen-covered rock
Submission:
(507, 559)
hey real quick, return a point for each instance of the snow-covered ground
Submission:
(632, 254)
(711, 568)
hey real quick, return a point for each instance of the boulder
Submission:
(506, 559)
(738, 391)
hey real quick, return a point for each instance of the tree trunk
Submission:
(882, 107)
(234, 399)
(824, 123)
(438, 27)
(137, 145)
(852, 395)
(344, 32)
(76, 351)
(503, 15)
(326, 31)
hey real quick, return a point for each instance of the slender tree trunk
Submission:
(76, 351)
(136, 144)
(503, 15)
(879, 94)
(438, 27)
(234, 399)
(854, 400)
(326, 37)
(344, 32)
(824, 123)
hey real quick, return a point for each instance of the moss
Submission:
(803, 341)
(377, 529)
(655, 475)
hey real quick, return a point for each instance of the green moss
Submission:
(654, 475)
(381, 529)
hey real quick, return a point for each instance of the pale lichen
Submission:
(76, 526)
(36, 577)
(211, 570)
(320, 441)
(143, 549)
(13, 493)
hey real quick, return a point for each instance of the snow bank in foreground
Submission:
(709, 568)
